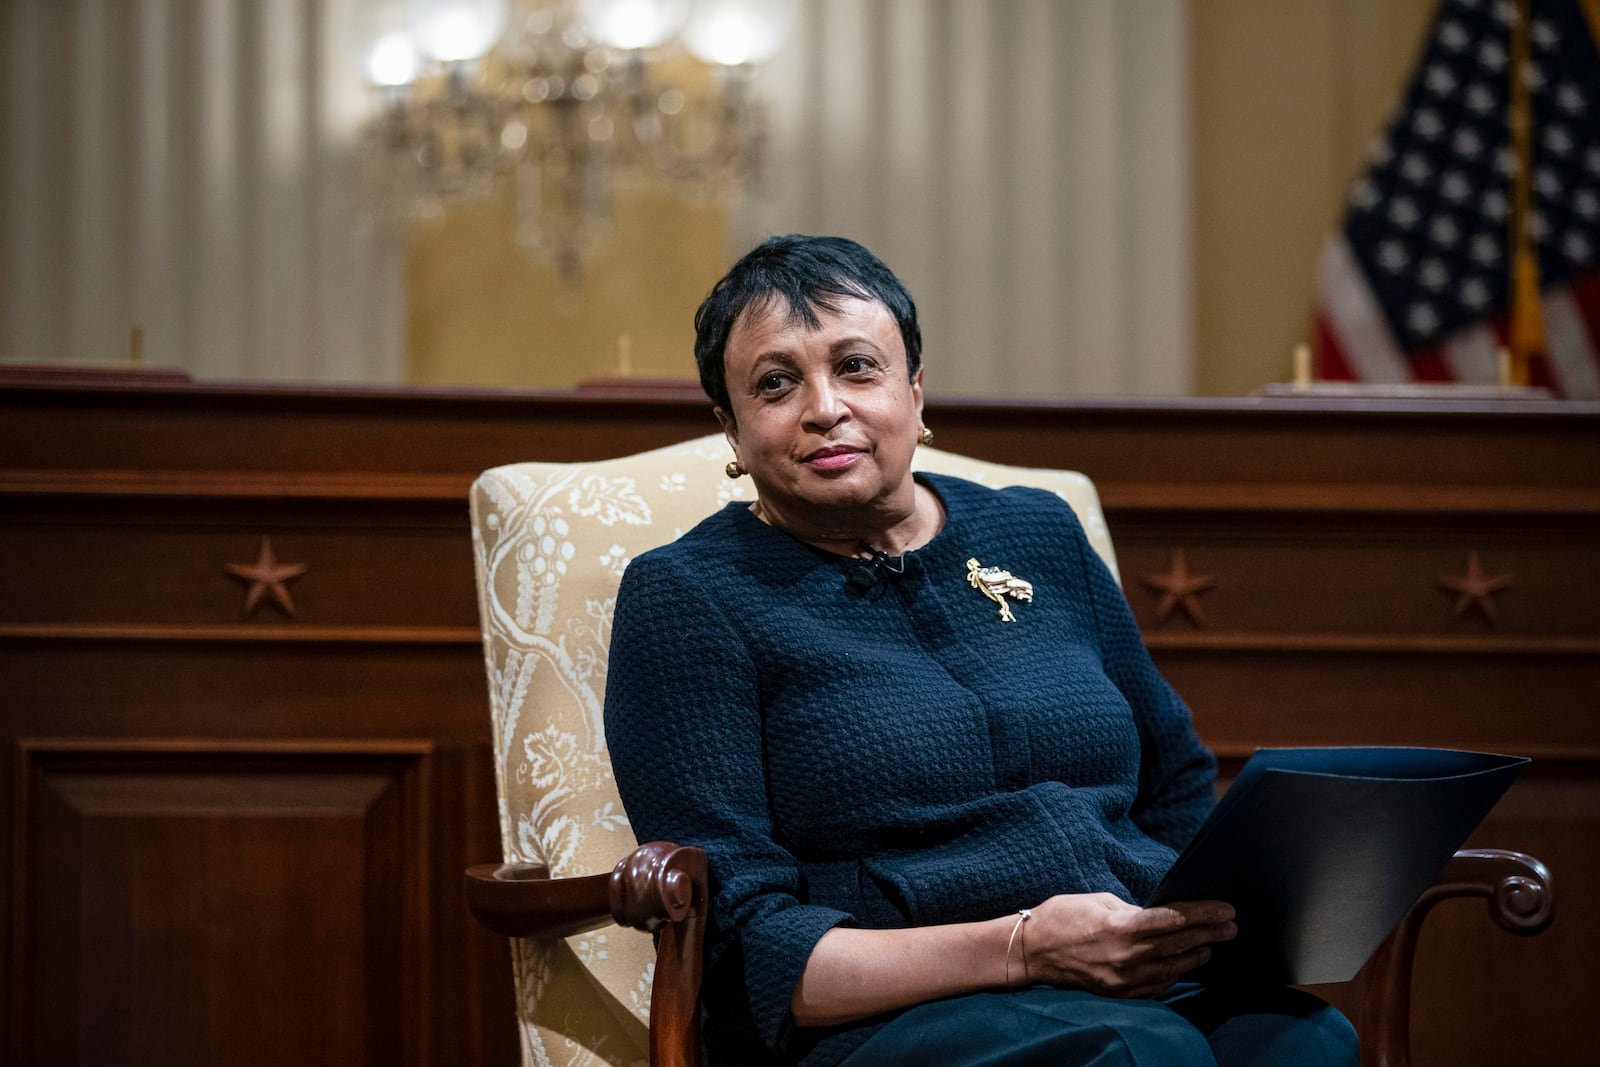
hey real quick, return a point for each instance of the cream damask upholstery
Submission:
(551, 541)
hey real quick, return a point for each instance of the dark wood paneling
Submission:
(195, 902)
(174, 570)
(196, 743)
(1344, 578)
(1539, 705)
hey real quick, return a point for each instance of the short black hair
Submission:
(806, 273)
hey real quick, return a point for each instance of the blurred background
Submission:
(1084, 196)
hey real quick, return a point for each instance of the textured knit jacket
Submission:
(890, 752)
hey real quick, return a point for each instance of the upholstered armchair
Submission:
(551, 542)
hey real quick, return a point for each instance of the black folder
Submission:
(1322, 851)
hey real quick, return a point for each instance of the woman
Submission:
(913, 725)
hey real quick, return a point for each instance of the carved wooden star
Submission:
(1475, 590)
(1179, 588)
(267, 578)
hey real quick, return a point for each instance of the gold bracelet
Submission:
(1023, 915)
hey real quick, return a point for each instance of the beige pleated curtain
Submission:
(186, 165)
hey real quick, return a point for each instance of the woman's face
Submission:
(826, 419)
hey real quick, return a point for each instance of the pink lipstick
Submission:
(832, 458)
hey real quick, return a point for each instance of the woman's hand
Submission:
(1089, 941)
(1096, 942)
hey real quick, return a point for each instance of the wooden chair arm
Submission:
(1521, 900)
(522, 900)
(658, 887)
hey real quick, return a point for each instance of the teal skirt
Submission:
(1189, 1026)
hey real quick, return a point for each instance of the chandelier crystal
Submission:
(564, 100)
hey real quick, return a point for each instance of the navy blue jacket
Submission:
(889, 753)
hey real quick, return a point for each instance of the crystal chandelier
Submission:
(562, 99)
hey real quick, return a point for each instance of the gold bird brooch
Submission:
(997, 584)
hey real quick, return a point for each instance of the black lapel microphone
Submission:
(863, 575)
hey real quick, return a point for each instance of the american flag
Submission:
(1416, 284)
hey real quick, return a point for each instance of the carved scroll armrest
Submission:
(659, 887)
(1521, 900)
(656, 883)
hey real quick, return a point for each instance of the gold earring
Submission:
(734, 468)
(925, 437)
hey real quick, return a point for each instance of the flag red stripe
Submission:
(1331, 364)
(1586, 295)
(1429, 365)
